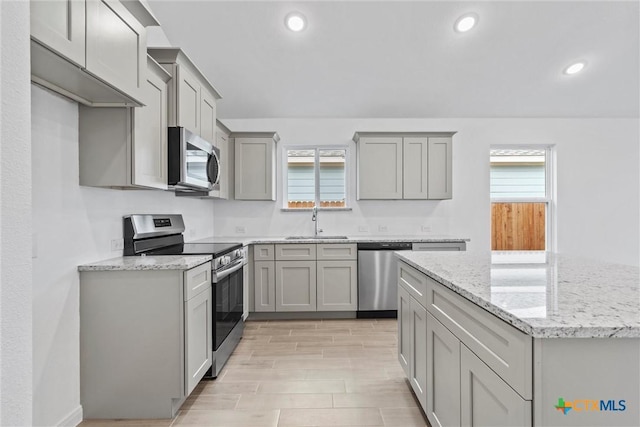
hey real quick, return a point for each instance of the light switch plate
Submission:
(426, 229)
(240, 229)
(382, 228)
(363, 229)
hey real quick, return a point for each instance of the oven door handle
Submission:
(219, 276)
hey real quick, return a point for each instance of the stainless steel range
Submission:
(163, 235)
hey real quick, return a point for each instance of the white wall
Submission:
(75, 225)
(597, 183)
(15, 217)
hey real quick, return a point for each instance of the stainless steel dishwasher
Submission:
(377, 278)
(378, 274)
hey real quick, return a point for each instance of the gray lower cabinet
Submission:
(305, 277)
(145, 340)
(443, 375)
(485, 399)
(337, 286)
(404, 329)
(417, 367)
(455, 385)
(296, 286)
(264, 279)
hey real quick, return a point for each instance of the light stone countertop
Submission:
(258, 240)
(139, 263)
(544, 295)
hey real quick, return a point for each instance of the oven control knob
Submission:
(224, 260)
(238, 253)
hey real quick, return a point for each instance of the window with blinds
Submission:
(316, 177)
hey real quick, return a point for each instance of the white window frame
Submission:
(550, 190)
(317, 148)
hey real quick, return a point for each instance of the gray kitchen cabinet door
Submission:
(485, 399)
(443, 375)
(255, 166)
(198, 338)
(414, 172)
(337, 286)
(188, 98)
(264, 279)
(116, 49)
(418, 365)
(150, 131)
(440, 162)
(379, 168)
(404, 330)
(295, 286)
(60, 25)
(207, 115)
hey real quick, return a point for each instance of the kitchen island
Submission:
(520, 338)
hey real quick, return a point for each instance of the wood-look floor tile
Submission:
(292, 324)
(267, 331)
(374, 400)
(127, 423)
(266, 363)
(309, 339)
(211, 401)
(350, 323)
(330, 417)
(307, 353)
(307, 386)
(404, 417)
(326, 345)
(242, 374)
(326, 331)
(227, 418)
(347, 373)
(284, 400)
(391, 385)
(222, 387)
(312, 363)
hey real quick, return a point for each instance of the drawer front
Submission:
(337, 251)
(296, 252)
(413, 282)
(502, 347)
(196, 280)
(443, 246)
(263, 253)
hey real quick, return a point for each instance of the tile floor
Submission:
(303, 373)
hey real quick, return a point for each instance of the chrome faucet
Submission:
(314, 218)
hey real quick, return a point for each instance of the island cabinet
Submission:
(192, 98)
(93, 51)
(145, 340)
(255, 165)
(415, 166)
(305, 277)
(490, 385)
(127, 147)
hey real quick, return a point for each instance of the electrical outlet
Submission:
(240, 229)
(117, 244)
(426, 229)
(363, 229)
(382, 228)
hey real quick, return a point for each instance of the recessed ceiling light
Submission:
(466, 22)
(295, 21)
(575, 68)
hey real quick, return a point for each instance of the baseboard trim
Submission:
(72, 419)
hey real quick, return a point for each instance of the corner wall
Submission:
(15, 217)
(597, 179)
(74, 225)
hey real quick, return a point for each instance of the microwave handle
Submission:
(213, 173)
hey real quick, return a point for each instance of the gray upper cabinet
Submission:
(60, 25)
(92, 51)
(255, 165)
(414, 166)
(380, 168)
(192, 98)
(127, 147)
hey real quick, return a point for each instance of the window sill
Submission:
(310, 209)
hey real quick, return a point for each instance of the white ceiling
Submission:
(403, 59)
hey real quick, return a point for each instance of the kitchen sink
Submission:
(312, 237)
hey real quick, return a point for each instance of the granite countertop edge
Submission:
(617, 331)
(260, 240)
(146, 263)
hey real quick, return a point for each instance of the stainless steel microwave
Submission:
(194, 163)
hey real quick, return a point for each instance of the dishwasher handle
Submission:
(384, 246)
